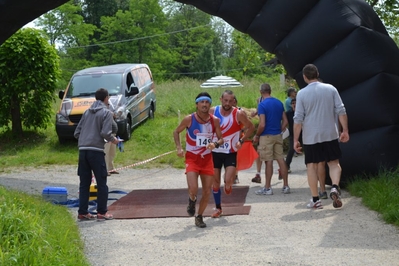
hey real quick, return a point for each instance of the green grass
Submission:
(154, 137)
(34, 232)
(379, 193)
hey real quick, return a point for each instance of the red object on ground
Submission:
(246, 156)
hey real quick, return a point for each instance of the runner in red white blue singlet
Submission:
(203, 134)
(198, 135)
(231, 130)
(231, 121)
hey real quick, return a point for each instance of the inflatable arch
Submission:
(344, 38)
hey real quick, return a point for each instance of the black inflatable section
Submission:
(369, 147)
(14, 14)
(344, 38)
(350, 46)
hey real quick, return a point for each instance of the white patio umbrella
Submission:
(221, 81)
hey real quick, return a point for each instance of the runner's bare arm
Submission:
(248, 125)
(185, 123)
(218, 132)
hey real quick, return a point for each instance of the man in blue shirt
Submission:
(272, 122)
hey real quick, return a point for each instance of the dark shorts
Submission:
(319, 152)
(224, 159)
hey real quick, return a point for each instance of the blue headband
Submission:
(203, 98)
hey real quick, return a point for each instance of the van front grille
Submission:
(75, 118)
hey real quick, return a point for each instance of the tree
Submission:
(388, 11)
(92, 12)
(192, 31)
(221, 42)
(64, 25)
(29, 68)
(204, 64)
(210, 58)
(247, 58)
(136, 35)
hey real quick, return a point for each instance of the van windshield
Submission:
(87, 85)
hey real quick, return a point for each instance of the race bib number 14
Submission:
(203, 139)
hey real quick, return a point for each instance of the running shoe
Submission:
(236, 181)
(264, 191)
(199, 222)
(335, 196)
(217, 214)
(105, 216)
(257, 179)
(86, 217)
(315, 205)
(228, 191)
(286, 190)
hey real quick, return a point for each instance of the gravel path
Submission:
(279, 230)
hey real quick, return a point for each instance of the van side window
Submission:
(141, 77)
(136, 77)
(129, 80)
(147, 76)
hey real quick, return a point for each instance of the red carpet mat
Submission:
(159, 203)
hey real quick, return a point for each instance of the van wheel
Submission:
(151, 112)
(128, 131)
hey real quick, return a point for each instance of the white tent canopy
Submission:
(221, 81)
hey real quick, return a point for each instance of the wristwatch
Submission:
(241, 141)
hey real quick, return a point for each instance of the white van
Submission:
(132, 97)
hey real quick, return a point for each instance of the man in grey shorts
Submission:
(317, 106)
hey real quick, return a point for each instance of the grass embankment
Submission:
(34, 232)
(379, 193)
